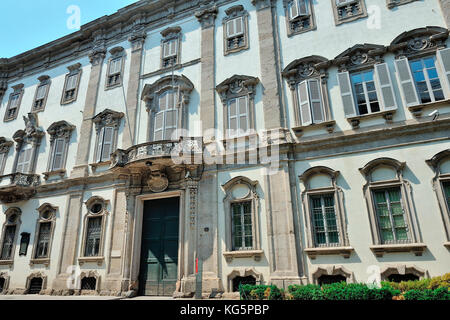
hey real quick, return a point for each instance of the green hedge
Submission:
(413, 290)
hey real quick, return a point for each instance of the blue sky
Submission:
(27, 24)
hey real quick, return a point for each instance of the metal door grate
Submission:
(88, 283)
(35, 286)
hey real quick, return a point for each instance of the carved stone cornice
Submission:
(107, 118)
(359, 56)
(237, 85)
(60, 129)
(5, 145)
(262, 4)
(206, 17)
(305, 68)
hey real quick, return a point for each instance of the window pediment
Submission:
(231, 186)
(237, 85)
(360, 56)
(304, 68)
(5, 145)
(311, 172)
(108, 118)
(31, 132)
(47, 211)
(234, 11)
(437, 159)
(60, 129)
(386, 162)
(171, 32)
(419, 41)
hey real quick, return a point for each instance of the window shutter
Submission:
(385, 86)
(2, 157)
(444, 60)
(41, 92)
(239, 26)
(100, 145)
(230, 28)
(406, 82)
(27, 160)
(305, 109)
(107, 144)
(346, 93)
(243, 114)
(315, 100)
(302, 7)
(72, 82)
(173, 47)
(232, 114)
(58, 154)
(157, 133)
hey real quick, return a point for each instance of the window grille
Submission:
(35, 286)
(8, 242)
(88, 283)
(324, 220)
(93, 237)
(43, 240)
(242, 225)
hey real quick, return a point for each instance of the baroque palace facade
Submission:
(183, 144)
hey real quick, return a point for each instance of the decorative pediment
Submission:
(237, 85)
(47, 211)
(5, 145)
(319, 170)
(32, 132)
(304, 68)
(417, 41)
(107, 118)
(116, 51)
(60, 129)
(359, 56)
(389, 162)
(437, 158)
(171, 32)
(152, 91)
(234, 11)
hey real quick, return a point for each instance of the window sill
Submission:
(381, 249)
(98, 260)
(60, 173)
(255, 254)
(9, 119)
(418, 109)
(328, 125)
(234, 50)
(343, 251)
(44, 261)
(340, 21)
(68, 101)
(113, 86)
(387, 115)
(6, 262)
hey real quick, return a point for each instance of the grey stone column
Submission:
(81, 168)
(283, 259)
(445, 7)
(129, 134)
(268, 52)
(207, 17)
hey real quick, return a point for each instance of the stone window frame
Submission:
(343, 248)
(232, 13)
(103, 213)
(360, 5)
(46, 207)
(17, 223)
(151, 93)
(58, 130)
(395, 3)
(235, 87)
(171, 34)
(414, 44)
(18, 91)
(91, 274)
(296, 25)
(243, 272)
(6, 277)
(332, 270)
(362, 58)
(252, 196)
(402, 269)
(115, 53)
(414, 244)
(74, 69)
(32, 135)
(43, 81)
(5, 146)
(37, 274)
(311, 67)
(438, 180)
(106, 118)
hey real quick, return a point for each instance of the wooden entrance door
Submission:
(159, 253)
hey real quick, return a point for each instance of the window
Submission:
(10, 230)
(43, 240)
(107, 125)
(60, 133)
(5, 145)
(170, 47)
(167, 105)
(426, 79)
(115, 68)
(242, 226)
(365, 92)
(35, 286)
(238, 116)
(241, 206)
(166, 118)
(299, 16)
(392, 215)
(94, 229)
(40, 97)
(71, 84)
(88, 283)
(324, 220)
(331, 274)
(348, 10)
(44, 234)
(446, 186)
(322, 202)
(237, 94)
(240, 281)
(15, 99)
(310, 101)
(235, 26)
(402, 277)
(24, 159)
(391, 218)
(326, 279)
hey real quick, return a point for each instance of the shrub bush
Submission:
(260, 292)
(308, 292)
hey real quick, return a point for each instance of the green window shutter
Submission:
(386, 89)
(406, 82)
(348, 100)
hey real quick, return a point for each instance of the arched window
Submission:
(323, 207)
(107, 125)
(5, 146)
(401, 272)
(9, 235)
(60, 133)
(391, 210)
(331, 274)
(45, 227)
(167, 103)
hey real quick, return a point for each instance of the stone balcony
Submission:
(19, 187)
